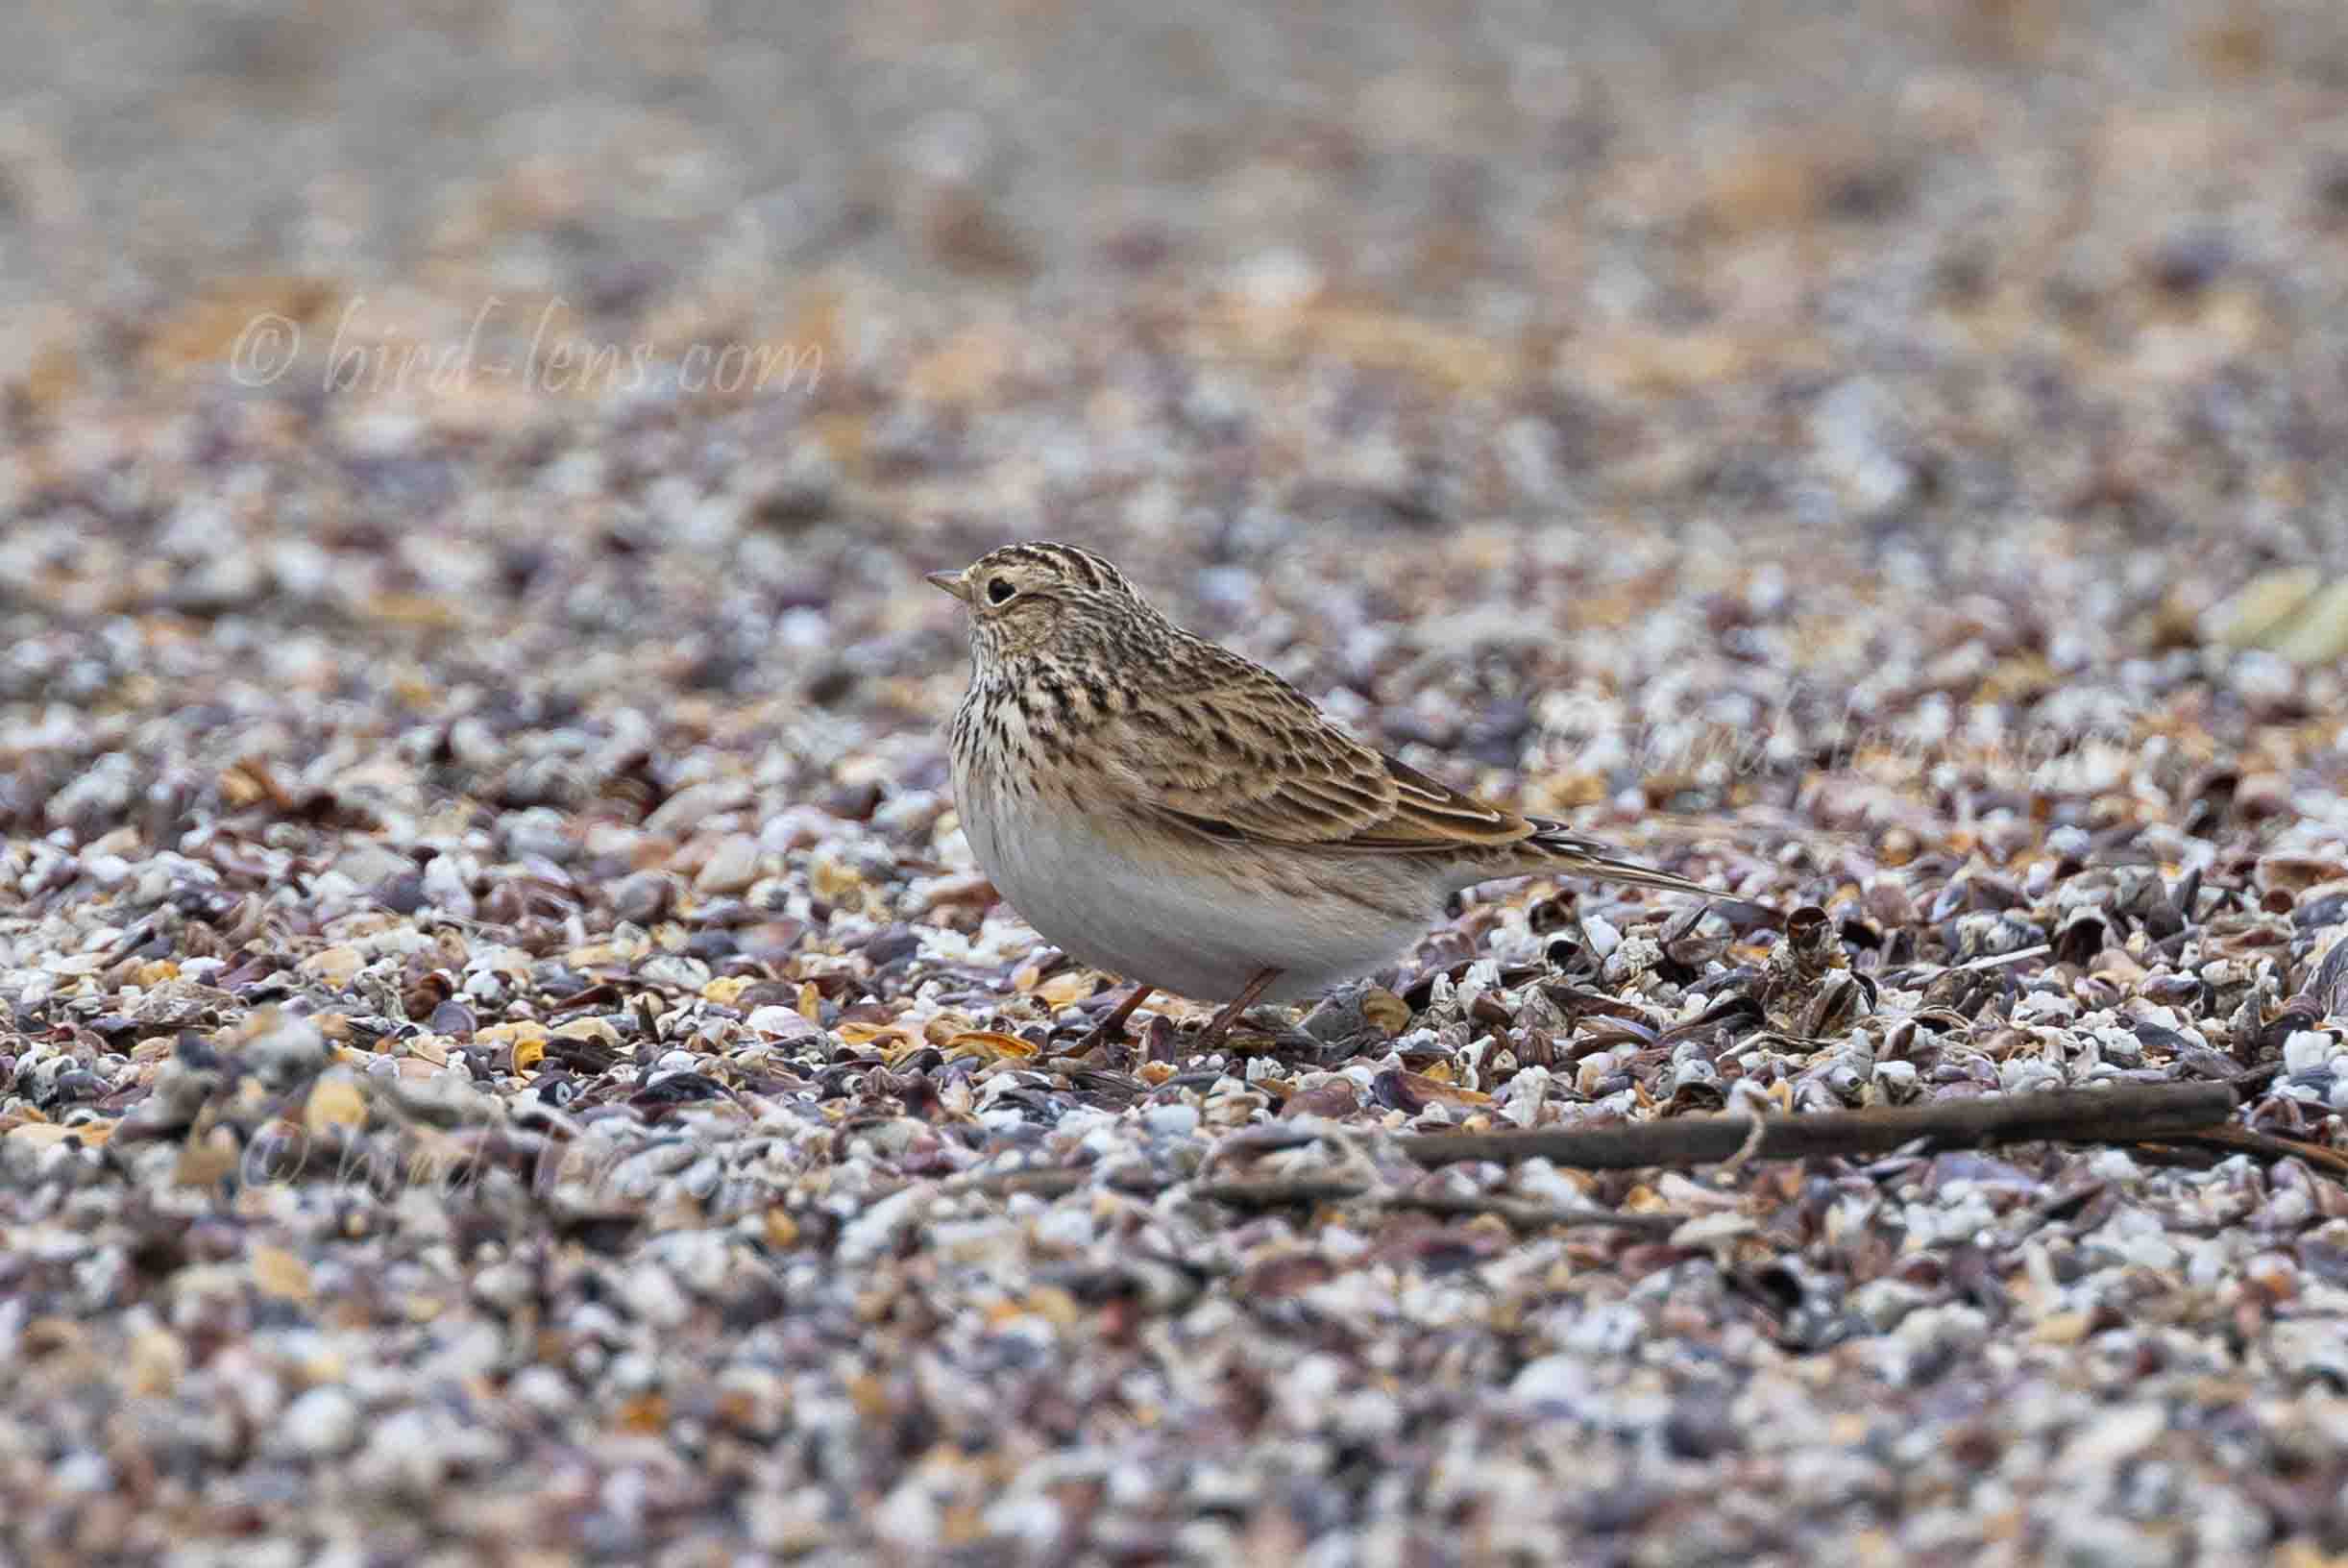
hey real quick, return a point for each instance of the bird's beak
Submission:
(951, 582)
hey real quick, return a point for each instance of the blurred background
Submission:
(1938, 357)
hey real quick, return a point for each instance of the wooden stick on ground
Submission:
(2243, 1141)
(2126, 1113)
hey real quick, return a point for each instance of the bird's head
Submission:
(1033, 598)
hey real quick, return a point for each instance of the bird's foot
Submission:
(1111, 1028)
(1217, 1030)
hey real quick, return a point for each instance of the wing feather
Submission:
(1237, 753)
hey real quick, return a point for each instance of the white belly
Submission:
(1194, 932)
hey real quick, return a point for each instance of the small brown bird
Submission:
(1163, 809)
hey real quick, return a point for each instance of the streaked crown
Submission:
(1029, 598)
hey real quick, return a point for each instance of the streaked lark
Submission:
(1163, 809)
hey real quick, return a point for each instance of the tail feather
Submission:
(1571, 854)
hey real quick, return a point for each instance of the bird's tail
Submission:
(1568, 853)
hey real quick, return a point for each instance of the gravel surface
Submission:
(506, 1057)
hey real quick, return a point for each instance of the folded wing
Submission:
(1237, 753)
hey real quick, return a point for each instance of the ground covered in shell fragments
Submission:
(505, 1056)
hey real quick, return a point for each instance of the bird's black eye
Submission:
(999, 591)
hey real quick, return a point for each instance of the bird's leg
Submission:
(1113, 1027)
(1223, 1020)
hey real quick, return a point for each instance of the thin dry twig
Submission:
(2265, 1145)
(2123, 1115)
(2174, 1113)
